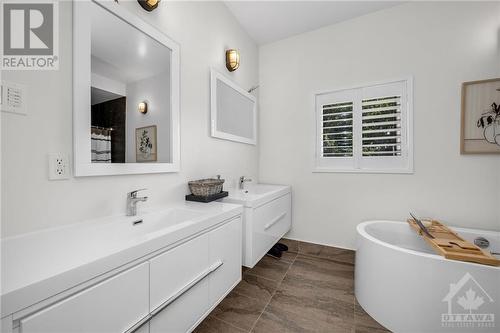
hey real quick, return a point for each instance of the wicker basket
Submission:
(205, 187)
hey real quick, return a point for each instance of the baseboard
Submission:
(318, 243)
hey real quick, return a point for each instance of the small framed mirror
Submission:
(126, 93)
(233, 111)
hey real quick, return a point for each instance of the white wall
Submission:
(156, 91)
(441, 45)
(497, 200)
(107, 84)
(498, 168)
(30, 202)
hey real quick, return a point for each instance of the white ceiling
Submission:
(269, 21)
(123, 53)
(100, 96)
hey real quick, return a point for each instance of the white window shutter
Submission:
(381, 126)
(366, 129)
(337, 130)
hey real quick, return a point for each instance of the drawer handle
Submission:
(175, 296)
(188, 286)
(273, 222)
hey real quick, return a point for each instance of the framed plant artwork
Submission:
(480, 124)
(145, 144)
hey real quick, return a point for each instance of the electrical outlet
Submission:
(58, 166)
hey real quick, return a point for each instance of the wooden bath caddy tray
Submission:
(451, 246)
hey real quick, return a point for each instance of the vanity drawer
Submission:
(271, 222)
(113, 305)
(172, 271)
(183, 313)
(188, 280)
(142, 329)
(274, 218)
(225, 247)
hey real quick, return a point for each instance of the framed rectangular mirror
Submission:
(233, 111)
(126, 93)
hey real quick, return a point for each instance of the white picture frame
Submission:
(215, 113)
(81, 94)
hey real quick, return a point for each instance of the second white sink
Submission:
(257, 194)
(267, 217)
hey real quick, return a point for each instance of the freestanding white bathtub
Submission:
(401, 283)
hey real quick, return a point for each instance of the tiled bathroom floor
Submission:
(310, 289)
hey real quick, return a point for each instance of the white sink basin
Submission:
(162, 221)
(83, 242)
(256, 194)
(48, 261)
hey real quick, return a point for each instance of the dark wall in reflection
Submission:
(112, 114)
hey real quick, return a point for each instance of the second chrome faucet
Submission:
(242, 182)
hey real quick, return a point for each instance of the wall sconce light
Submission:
(149, 5)
(143, 107)
(232, 60)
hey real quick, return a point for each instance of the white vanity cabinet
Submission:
(113, 305)
(190, 280)
(270, 222)
(225, 248)
(267, 216)
(179, 287)
(161, 292)
(143, 329)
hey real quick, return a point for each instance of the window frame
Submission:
(358, 163)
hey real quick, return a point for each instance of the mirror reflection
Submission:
(130, 93)
(233, 111)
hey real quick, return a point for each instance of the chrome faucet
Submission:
(243, 180)
(132, 201)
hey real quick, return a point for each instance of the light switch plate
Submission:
(58, 166)
(13, 98)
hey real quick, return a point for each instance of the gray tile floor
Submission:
(310, 289)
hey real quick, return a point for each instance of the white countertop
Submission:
(40, 264)
(255, 195)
